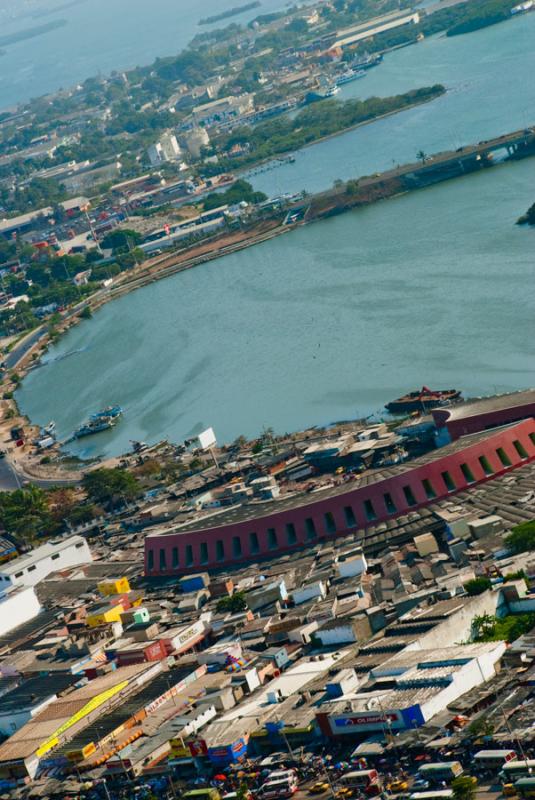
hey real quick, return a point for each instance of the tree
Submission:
(477, 586)
(86, 312)
(481, 727)
(234, 603)
(110, 487)
(421, 156)
(522, 537)
(483, 625)
(464, 787)
(26, 513)
(121, 239)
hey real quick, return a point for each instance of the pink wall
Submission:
(215, 547)
(479, 422)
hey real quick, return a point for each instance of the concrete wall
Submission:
(11, 722)
(70, 553)
(231, 543)
(18, 606)
(457, 628)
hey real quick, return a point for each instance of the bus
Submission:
(366, 780)
(439, 794)
(517, 769)
(525, 788)
(441, 771)
(493, 759)
(273, 790)
(208, 793)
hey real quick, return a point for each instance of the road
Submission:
(20, 350)
(14, 478)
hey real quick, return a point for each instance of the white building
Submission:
(224, 109)
(311, 591)
(29, 698)
(195, 140)
(32, 567)
(167, 149)
(17, 606)
(426, 682)
(351, 565)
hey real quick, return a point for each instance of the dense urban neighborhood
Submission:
(341, 607)
(345, 611)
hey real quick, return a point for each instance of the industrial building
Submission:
(29, 569)
(302, 519)
(425, 683)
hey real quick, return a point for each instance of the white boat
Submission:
(350, 75)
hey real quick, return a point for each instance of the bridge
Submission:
(429, 170)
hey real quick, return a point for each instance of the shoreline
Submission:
(242, 171)
(323, 205)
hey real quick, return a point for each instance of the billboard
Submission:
(366, 721)
(206, 439)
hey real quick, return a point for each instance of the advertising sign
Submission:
(206, 439)
(93, 704)
(349, 724)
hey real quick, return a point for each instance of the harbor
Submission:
(298, 306)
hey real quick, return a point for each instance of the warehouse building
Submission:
(254, 531)
(35, 566)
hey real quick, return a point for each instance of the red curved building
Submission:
(485, 413)
(259, 530)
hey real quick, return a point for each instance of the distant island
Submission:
(528, 218)
(31, 33)
(232, 12)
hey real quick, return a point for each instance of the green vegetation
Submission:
(110, 487)
(238, 192)
(47, 281)
(121, 240)
(38, 193)
(480, 14)
(25, 513)
(481, 727)
(233, 604)
(477, 586)
(86, 313)
(464, 787)
(325, 118)
(528, 218)
(32, 512)
(488, 628)
(522, 538)
(514, 576)
(455, 20)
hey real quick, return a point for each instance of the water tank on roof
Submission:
(141, 615)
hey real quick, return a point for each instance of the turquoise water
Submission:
(491, 91)
(337, 318)
(100, 36)
(327, 322)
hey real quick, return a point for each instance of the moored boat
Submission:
(111, 412)
(93, 426)
(350, 75)
(367, 62)
(423, 399)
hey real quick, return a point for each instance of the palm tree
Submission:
(421, 156)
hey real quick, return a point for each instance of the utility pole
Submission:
(516, 739)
